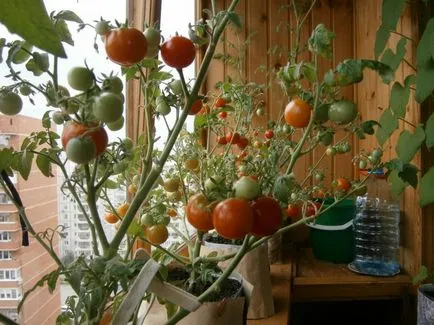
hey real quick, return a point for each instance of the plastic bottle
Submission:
(376, 229)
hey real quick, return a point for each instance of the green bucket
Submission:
(332, 233)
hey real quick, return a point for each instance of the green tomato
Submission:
(120, 167)
(147, 220)
(102, 27)
(116, 125)
(81, 150)
(165, 220)
(322, 114)
(152, 52)
(330, 151)
(10, 103)
(344, 147)
(377, 153)
(176, 87)
(163, 108)
(108, 107)
(363, 164)
(153, 36)
(113, 85)
(70, 107)
(247, 188)
(260, 112)
(342, 112)
(80, 78)
(319, 176)
(25, 90)
(242, 169)
(326, 138)
(283, 188)
(213, 184)
(287, 129)
(58, 118)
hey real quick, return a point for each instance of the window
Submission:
(4, 199)
(9, 274)
(5, 255)
(4, 217)
(5, 236)
(10, 294)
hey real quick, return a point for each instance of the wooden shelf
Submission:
(318, 280)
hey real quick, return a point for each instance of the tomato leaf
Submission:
(381, 38)
(368, 126)
(429, 131)
(426, 188)
(29, 19)
(390, 13)
(409, 174)
(26, 164)
(388, 124)
(425, 49)
(20, 52)
(5, 158)
(109, 184)
(135, 229)
(46, 121)
(409, 144)
(69, 16)
(385, 72)
(320, 41)
(394, 60)
(44, 165)
(38, 64)
(399, 97)
(235, 19)
(397, 185)
(160, 75)
(199, 122)
(63, 31)
(425, 81)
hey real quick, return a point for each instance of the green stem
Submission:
(156, 170)
(91, 202)
(196, 253)
(176, 257)
(226, 273)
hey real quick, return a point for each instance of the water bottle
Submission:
(376, 229)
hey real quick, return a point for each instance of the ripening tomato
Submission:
(297, 113)
(233, 138)
(267, 216)
(157, 234)
(293, 211)
(312, 208)
(172, 213)
(122, 209)
(223, 115)
(172, 184)
(132, 189)
(125, 46)
(106, 318)
(198, 212)
(233, 218)
(222, 140)
(111, 218)
(220, 102)
(342, 184)
(243, 142)
(195, 107)
(178, 52)
(98, 135)
(269, 134)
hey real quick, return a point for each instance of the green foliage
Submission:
(421, 276)
(425, 81)
(426, 188)
(320, 41)
(393, 60)
(409, 143)
(429, 131)
(29, 19)
(389, 123)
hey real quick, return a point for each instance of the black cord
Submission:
(16, 196)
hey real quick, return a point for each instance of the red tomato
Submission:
(196, 107)
(199, 215)
(243, 142)
(312, 209)
(98, 134)
(220, 102)
(178, 52)
(342, 184)
(223, 115)
(293, 211)
(267, 216)
(269, 134)
(233, 218)
(233, 138)
(297, 113)
(222, 140)
(125, 46)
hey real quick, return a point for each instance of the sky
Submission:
(89, 11)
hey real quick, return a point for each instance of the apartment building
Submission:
(22, 266)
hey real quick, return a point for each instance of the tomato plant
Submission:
(172, 184)
(297, 113)
(267, 216)
(196, 107)
(178, 52)
(269, 134)
(125, 46)
(293, 211)
(122, 209)
(233, 138)
(157, 234)
(223, 115)
(10, 103)
(96, 133)
(312, 208)
(81, 150)
(342, 112)
(111, 218)
(199, 213)
(220, 102)
(342, 184)
(222, 140)
(247, 188)
(233, 218)
(80, 78)
(243, 142)
(108, 107)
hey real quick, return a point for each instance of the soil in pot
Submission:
(230, 288)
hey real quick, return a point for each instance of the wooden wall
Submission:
(267, 24)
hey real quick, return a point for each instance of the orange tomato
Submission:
(297, 113)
